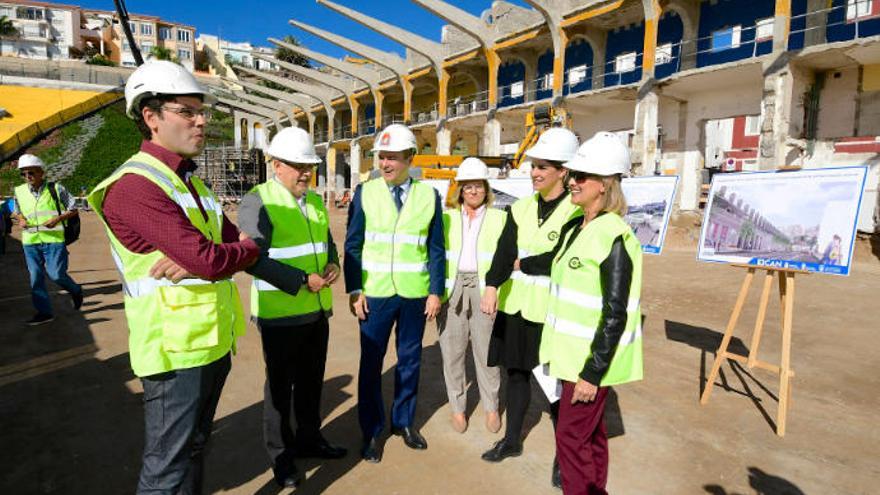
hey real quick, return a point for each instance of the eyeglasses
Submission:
(300, 167)
(190, 113)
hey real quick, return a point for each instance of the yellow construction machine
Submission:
(539, 120)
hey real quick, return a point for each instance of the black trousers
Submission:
(179, 410)
(295, 360)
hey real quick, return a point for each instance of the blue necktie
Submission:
(398, 192)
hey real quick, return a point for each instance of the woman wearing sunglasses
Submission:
(592, 336)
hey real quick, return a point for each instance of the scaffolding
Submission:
(231, 172)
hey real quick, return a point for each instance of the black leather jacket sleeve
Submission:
(616, 276)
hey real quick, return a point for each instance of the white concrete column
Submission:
(444, 141)
(644, 146)
(236, 128)
(775, 118)
(490, 144)
(331, 174)
(816, 23)
(355, 163)
(531, 74)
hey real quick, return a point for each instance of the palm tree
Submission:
(163, 53)
(7, 30)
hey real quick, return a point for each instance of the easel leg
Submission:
(786, 289)
(721, 354)
(759, 321)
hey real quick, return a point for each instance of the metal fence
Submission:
(231, 172)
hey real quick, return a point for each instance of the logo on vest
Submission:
(575, 263)
(553, 235)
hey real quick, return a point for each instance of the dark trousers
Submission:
(295, 360)
(582, 443)
(179, 410)
(409, 316)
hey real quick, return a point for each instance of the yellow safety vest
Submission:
(173, 326)
(523, 293)
(487, 243)
(575, 307)
(395, 253)
(38, 212)
(299, 241)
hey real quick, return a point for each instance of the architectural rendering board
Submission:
(649, 201)
(803, 220)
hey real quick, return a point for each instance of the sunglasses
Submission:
(579, 177)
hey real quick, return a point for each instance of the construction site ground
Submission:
(72, 420)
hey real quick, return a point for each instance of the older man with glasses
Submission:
(41, 209)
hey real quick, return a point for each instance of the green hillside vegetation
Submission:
(117, 140)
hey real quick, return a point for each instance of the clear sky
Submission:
(256, 20)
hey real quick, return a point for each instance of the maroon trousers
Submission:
(582, 443)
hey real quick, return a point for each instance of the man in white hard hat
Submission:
(41, 208)
(176, 253)
(291, 224)
(533, 226)
(394, 266)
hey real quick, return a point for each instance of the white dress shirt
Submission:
(470, 231)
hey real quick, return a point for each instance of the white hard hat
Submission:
(161, 77)
(472, 169)
(27, 160)
(293, 145)
(395, 137)
(556, 144)
(602, 154)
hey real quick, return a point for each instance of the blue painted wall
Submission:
(545, 66)
(510, 72)
(578, 53)
(796, 39)
(841, 30)
(670, 30)
(726, 13)
(624, 40)
(369, 113)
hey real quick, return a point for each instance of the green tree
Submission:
(163, 53)
(7, 28)
(291, 56)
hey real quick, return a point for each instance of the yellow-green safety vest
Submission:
(575, 307)
(173, 326)
(487, 243)
(38, 212)
(523, 293)
(299, 241)
(395, 253)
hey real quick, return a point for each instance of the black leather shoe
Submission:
(411, 437)
(288, 476)
(502, 450)
(370, 451)
(556, 476)
(321, 449)
(77, 300)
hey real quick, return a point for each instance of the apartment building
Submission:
(148, 32)
(45, 30)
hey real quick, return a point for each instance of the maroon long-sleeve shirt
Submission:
(145, 219)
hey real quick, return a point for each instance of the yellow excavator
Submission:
(541, 118)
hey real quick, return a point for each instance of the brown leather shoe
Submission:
(459, 422)
(493, 421)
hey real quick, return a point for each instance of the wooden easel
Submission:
(786, 300)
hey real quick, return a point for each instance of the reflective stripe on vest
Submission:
(528, 294)
(299, 241)
(575, 304)
(38, 211)
(487, 242)
(395, 252)
(173, 326)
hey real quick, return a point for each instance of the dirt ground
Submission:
(70, 407)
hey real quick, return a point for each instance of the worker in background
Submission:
(533, 227)
(176, 253)
(291, 224)
(592, 338)
(41, 211)
(472, 230)
(394, 267)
